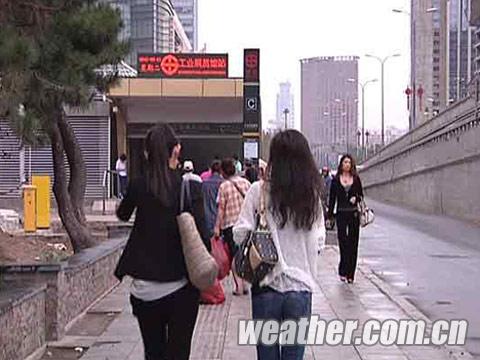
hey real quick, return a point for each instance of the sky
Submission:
(287, 31)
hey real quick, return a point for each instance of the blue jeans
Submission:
(269, 304)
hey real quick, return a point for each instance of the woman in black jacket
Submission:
(346, 192)
(163, 300)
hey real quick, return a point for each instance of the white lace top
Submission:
(297, 249)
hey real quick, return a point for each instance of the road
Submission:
(432, 260)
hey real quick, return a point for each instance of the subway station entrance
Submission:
(205, 113)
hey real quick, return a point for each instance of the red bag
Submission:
(222, 257)
(214, 295)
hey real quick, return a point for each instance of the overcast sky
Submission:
(287, 31)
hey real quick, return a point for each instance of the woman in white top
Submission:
(121, 168)
(293, 188)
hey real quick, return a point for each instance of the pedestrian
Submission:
(210, 189)
(251, 173)
(262, 167)
(230, 199)
(121, 169)
(207, 173)
(238, 165)
(188, 172)
(164, 302)
(292, 189)
(346, 192)
(327, 180)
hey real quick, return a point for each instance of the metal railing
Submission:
(109, 176)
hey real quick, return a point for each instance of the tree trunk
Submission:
(78, 232)
(76, 163)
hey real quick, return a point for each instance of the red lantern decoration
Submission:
(420, 93)
(408, 92)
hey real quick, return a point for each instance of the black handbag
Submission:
(257, 255)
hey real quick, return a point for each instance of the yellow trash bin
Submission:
(42, 183)
(29, 208)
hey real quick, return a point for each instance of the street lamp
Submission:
(413, 40)
(382, 63)
(286, 112)
(359, 135)
(363, 85)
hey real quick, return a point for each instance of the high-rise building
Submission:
(443, 54)
(285, 101)
(151, 26)
(187, 11)
(329, 106)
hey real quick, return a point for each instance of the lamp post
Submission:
(359, 135)
(367, 134)
(382, 63)
(363, 85)
(285, 113)
(413, 42)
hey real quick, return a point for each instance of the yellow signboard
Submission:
(29, 223)
(42, 183)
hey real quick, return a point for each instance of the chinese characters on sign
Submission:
(251, 65)
(183, 65)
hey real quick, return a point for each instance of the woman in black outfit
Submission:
(346, 191)
(163, 300)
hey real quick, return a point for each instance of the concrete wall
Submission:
(434, 168)
(72, 286)
(22, 320)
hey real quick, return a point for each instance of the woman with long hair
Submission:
(164, 302)
(292, 188)
(346, 192)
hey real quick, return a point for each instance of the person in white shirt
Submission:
(189, 175)
(121, 168)
(293, 190)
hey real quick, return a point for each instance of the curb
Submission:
(454, 352)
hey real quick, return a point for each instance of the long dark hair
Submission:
(296, 186)
(353, 169)
(159, 145)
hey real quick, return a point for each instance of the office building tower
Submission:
(329, 106)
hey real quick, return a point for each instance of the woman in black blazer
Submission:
(346, 192)
(164, 301)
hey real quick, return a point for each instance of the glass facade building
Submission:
(187, 11)
(151, 26)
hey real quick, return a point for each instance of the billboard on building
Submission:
(183, 65)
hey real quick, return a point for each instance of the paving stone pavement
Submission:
(215, 334)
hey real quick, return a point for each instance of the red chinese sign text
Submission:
(183, 65)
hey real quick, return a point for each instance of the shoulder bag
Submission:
(257, 255)
(201, 266)
(367, 215)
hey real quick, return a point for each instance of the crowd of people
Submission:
(300, 200)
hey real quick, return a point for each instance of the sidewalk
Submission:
(216, 331)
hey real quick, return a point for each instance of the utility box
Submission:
(29, 208)
(42, 183)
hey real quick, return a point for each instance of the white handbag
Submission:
(367, 215)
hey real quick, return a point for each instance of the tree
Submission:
(50, 54)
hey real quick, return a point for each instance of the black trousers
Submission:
(167, 324)
(348, 225)
(227, 235)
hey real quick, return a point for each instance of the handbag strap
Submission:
(237, 187)
(263, 212)
(185, 191)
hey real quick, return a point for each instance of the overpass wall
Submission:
(435, 168)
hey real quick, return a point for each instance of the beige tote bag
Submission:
(201, 266)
